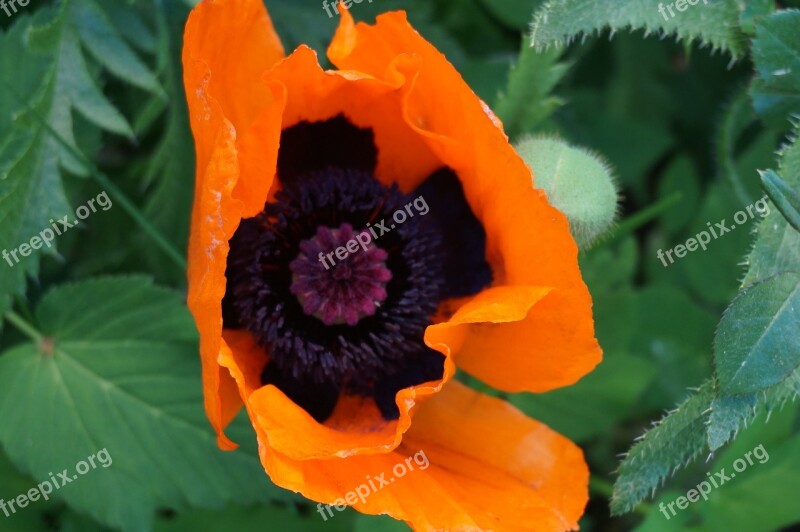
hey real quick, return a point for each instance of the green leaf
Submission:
(752, 12)
(12, 485)
(513, 13)
(736, 118)
(104, 42)
(527, 101)
(128, 21)
(576, 181)
(759, 499)
(257, 519)
(169, 171)
(700, 268)
(777, 244)
(119, 371)
(74, 522)
(655, 522)
(785, 198)
(632, 147)
(776, 54)
(776, 250)
(757, 344)
(681, 177)
(609, 269)
(716, 24)
(378, 523)
(594, 404)
(44, 78)
(671, 444)
(730, 414)
(674, 331)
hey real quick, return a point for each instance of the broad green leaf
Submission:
(776, 54)
(119, 371)
(715, 24)
(757, 344)
(577, 182)
(671, 444)
(527, 99)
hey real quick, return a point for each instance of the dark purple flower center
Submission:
(336, 278)
(335, 316)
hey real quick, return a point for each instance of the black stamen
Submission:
(352, 356)
(310, 147)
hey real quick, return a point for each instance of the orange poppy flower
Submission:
(356, 235)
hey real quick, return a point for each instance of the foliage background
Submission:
(91, 99)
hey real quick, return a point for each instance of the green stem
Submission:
(24, 308)
(127, 205)
(637, 220)
(24, 327)
(601, 486)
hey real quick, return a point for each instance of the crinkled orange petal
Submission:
(235, 120)
(489, 468)
(291, 431)
(314, 94)
(502, 304)
(528, 241)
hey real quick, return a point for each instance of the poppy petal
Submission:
(489, 467)
(528, 241)
(231, 111)
(316, 95)
(356, 427)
